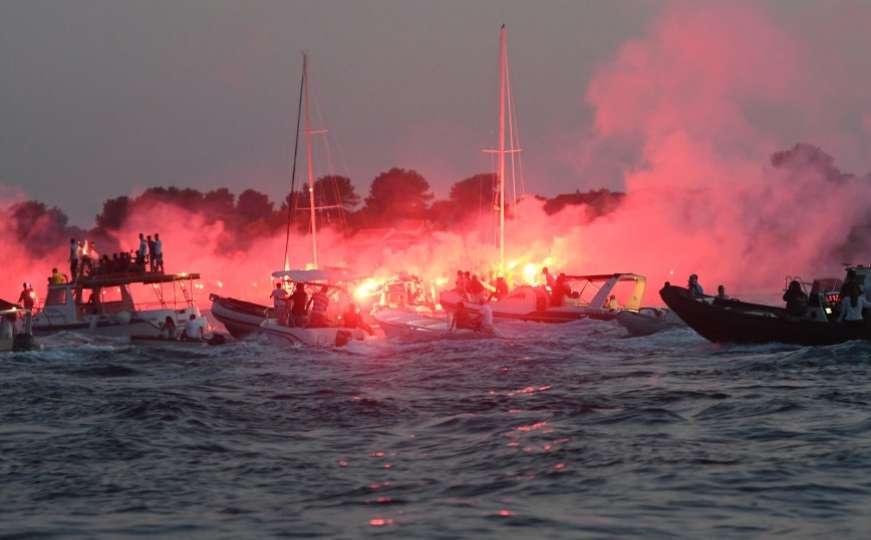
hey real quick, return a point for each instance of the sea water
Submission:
(554, 431)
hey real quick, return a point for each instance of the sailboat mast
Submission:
(308, 150)
(502, 61)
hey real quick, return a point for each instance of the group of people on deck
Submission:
(300, 311)
(851, 298)
(475, 291)
(86, 262)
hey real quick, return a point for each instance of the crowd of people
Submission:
(301, 311)
(85, 261)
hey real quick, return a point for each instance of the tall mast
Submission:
(308, 150)
(502, 61)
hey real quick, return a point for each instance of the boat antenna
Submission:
(291, 206)
(308, 150)
(502, 62)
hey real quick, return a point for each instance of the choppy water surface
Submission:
(563, 432)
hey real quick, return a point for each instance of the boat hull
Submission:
(310, 337)
(648, 321)
(527, 307)
(733, 321)
(240, 318)
(412, 326)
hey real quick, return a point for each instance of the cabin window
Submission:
(57, 296)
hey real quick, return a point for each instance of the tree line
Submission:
(395, 196)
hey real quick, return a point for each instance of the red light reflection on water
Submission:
(380, 522)
(506, 513)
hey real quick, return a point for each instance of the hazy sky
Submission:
(103, 98)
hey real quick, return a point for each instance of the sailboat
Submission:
(242, 318)
(585, 296)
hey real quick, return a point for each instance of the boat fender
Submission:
(342, 338)
(123, 317)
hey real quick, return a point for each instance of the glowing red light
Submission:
(506, 513)
(380, 522)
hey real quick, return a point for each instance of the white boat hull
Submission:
(412, 326)
(310, 337)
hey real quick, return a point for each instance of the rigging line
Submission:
(291, 204)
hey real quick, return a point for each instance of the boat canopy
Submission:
(95, 282)
(8, 308)
(329, 275)
(608, 282)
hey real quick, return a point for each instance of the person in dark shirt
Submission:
(795, 298)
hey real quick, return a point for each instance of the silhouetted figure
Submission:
(152, 257)
(158, 252)
(320, 302)
(501, 289)
(299, 298)
(74, 258)
(548, 278)
(696, 290)
(796, 299)
(851, 282)
(721, 293)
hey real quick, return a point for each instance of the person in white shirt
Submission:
(193, 330)
(852, 306)
(279, 301)
(158, 252)
(487, 319)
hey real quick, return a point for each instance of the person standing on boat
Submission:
(500, 290)
(74, 258)
(850, 283)
(298, 309)
(721, 293)
(141, 253)
(796, 299)
(158, 252)
(168, 328)
(152, 258)
(320, 302)
(475, 289)
(279, 301)
(852, 306)
(27, 299)
(696, 290)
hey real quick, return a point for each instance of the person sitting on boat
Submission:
(463, 319)
(279, 301)
(721, 292)
(168, 328)
(852, 306)
(158, 253)
(695, 288)
(796, 299)
(320, 302)
(57, 278)
(299, 300)
(352, 319)
(74, 258)
(612, 304)
(193, 330)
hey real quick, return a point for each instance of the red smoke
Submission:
(692, 100)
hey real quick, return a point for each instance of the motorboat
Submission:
(590, 297)
(104, 305)
(282, 331)
(649, 320)
(241, 318)
(724, 320)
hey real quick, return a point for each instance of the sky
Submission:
(101, 98)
